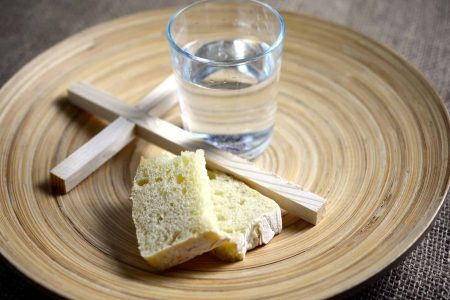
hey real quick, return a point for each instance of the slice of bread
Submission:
(172, 209)
(248, 218)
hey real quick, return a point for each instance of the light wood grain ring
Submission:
(356, 123)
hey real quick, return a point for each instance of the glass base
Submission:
(248, 145)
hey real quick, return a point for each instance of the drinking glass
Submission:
(226, 56)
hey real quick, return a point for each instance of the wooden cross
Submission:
(141, 120)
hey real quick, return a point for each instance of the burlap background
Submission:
(419, 30)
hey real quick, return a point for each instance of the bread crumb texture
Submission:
(247, 218)
(172, 209)
(180, 211)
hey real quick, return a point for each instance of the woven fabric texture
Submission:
(417, 29)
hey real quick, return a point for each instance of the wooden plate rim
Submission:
(360, 282)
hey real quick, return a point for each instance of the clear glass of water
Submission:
(226, 57)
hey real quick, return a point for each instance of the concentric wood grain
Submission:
(355, 124)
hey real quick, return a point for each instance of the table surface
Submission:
(417, 29)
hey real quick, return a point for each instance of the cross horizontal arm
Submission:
(308, 206)
(108, 142)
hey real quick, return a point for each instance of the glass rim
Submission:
(272, 47)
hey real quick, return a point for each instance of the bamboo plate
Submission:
(356, 124)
